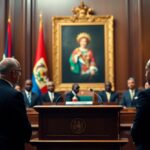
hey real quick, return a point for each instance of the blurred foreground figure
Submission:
(140, 130)
(15, 128)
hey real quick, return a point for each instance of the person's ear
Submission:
(13, 74)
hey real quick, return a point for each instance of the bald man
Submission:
(52, 96)
(73, 95)
(108, 95)
(141, 126)
(15, 128)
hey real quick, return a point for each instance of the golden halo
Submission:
(83, 35)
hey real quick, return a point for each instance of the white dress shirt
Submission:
(51, 96)
(132, 93)
(108, 94)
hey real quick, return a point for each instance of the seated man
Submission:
(131, 95)
(108, 95)
(72, 95)
(31, 99)
(51, 95)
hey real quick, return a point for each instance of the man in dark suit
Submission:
(130, 96)
(73, 95)
(140, 130)
(15, 128)
(108, 95)
(51, 95)
(31, 99)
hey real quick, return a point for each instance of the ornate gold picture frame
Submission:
(91, 69)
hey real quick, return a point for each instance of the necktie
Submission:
(29, 98)
(132, 94)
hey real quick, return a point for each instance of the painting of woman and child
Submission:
(83, 55)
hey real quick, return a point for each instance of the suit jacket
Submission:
(126, 99)
(140, 130)
(70, 95)
(35, 99)
(15, 128)
(57, 98)
(113, 98)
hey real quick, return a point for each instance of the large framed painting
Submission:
(83, 50)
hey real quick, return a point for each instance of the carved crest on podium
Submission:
(78, 125)
(65, 32)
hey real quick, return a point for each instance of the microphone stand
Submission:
(99, 97)
(59, 98)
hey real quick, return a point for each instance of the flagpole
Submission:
(41, 19)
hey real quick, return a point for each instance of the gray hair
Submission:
(148, 64)
(131, 78)
(8, 64)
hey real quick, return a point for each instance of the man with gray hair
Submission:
(15, 128)
(140, 130)
(130, 96)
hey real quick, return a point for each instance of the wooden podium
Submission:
(78, 127)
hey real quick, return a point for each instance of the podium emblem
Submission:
(78, 125)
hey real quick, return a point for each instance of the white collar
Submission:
(132, 90)
(50, 92)
(27, 92)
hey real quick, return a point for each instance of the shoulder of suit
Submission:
(102, 92)
(145, 92)
(44, 94)
(69, 93)
(34, 94)
(125, 92)
(115, 93)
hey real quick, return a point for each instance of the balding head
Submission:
(10, 70)
(131, 83)
(8, 64)
(51, 86)
(28, 85)
(76, 88)
(147, 74)
(108, 86)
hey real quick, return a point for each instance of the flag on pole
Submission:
(39, 77)
(8, 43)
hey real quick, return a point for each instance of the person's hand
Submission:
(92, 73)
(79, 53)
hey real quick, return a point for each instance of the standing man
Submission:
(15, 128)
(130, 96)
(73, 95)
(140, 130)
(108, 95)
(51, 95)
(31, 99)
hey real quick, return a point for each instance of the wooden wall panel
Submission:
(130, 34)
(145, 30)
(2, 25)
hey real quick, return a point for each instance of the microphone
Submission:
(99, 97)
(58, 98)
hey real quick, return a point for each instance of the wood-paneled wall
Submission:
(131, 36)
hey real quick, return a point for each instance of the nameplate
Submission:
(80, 103)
